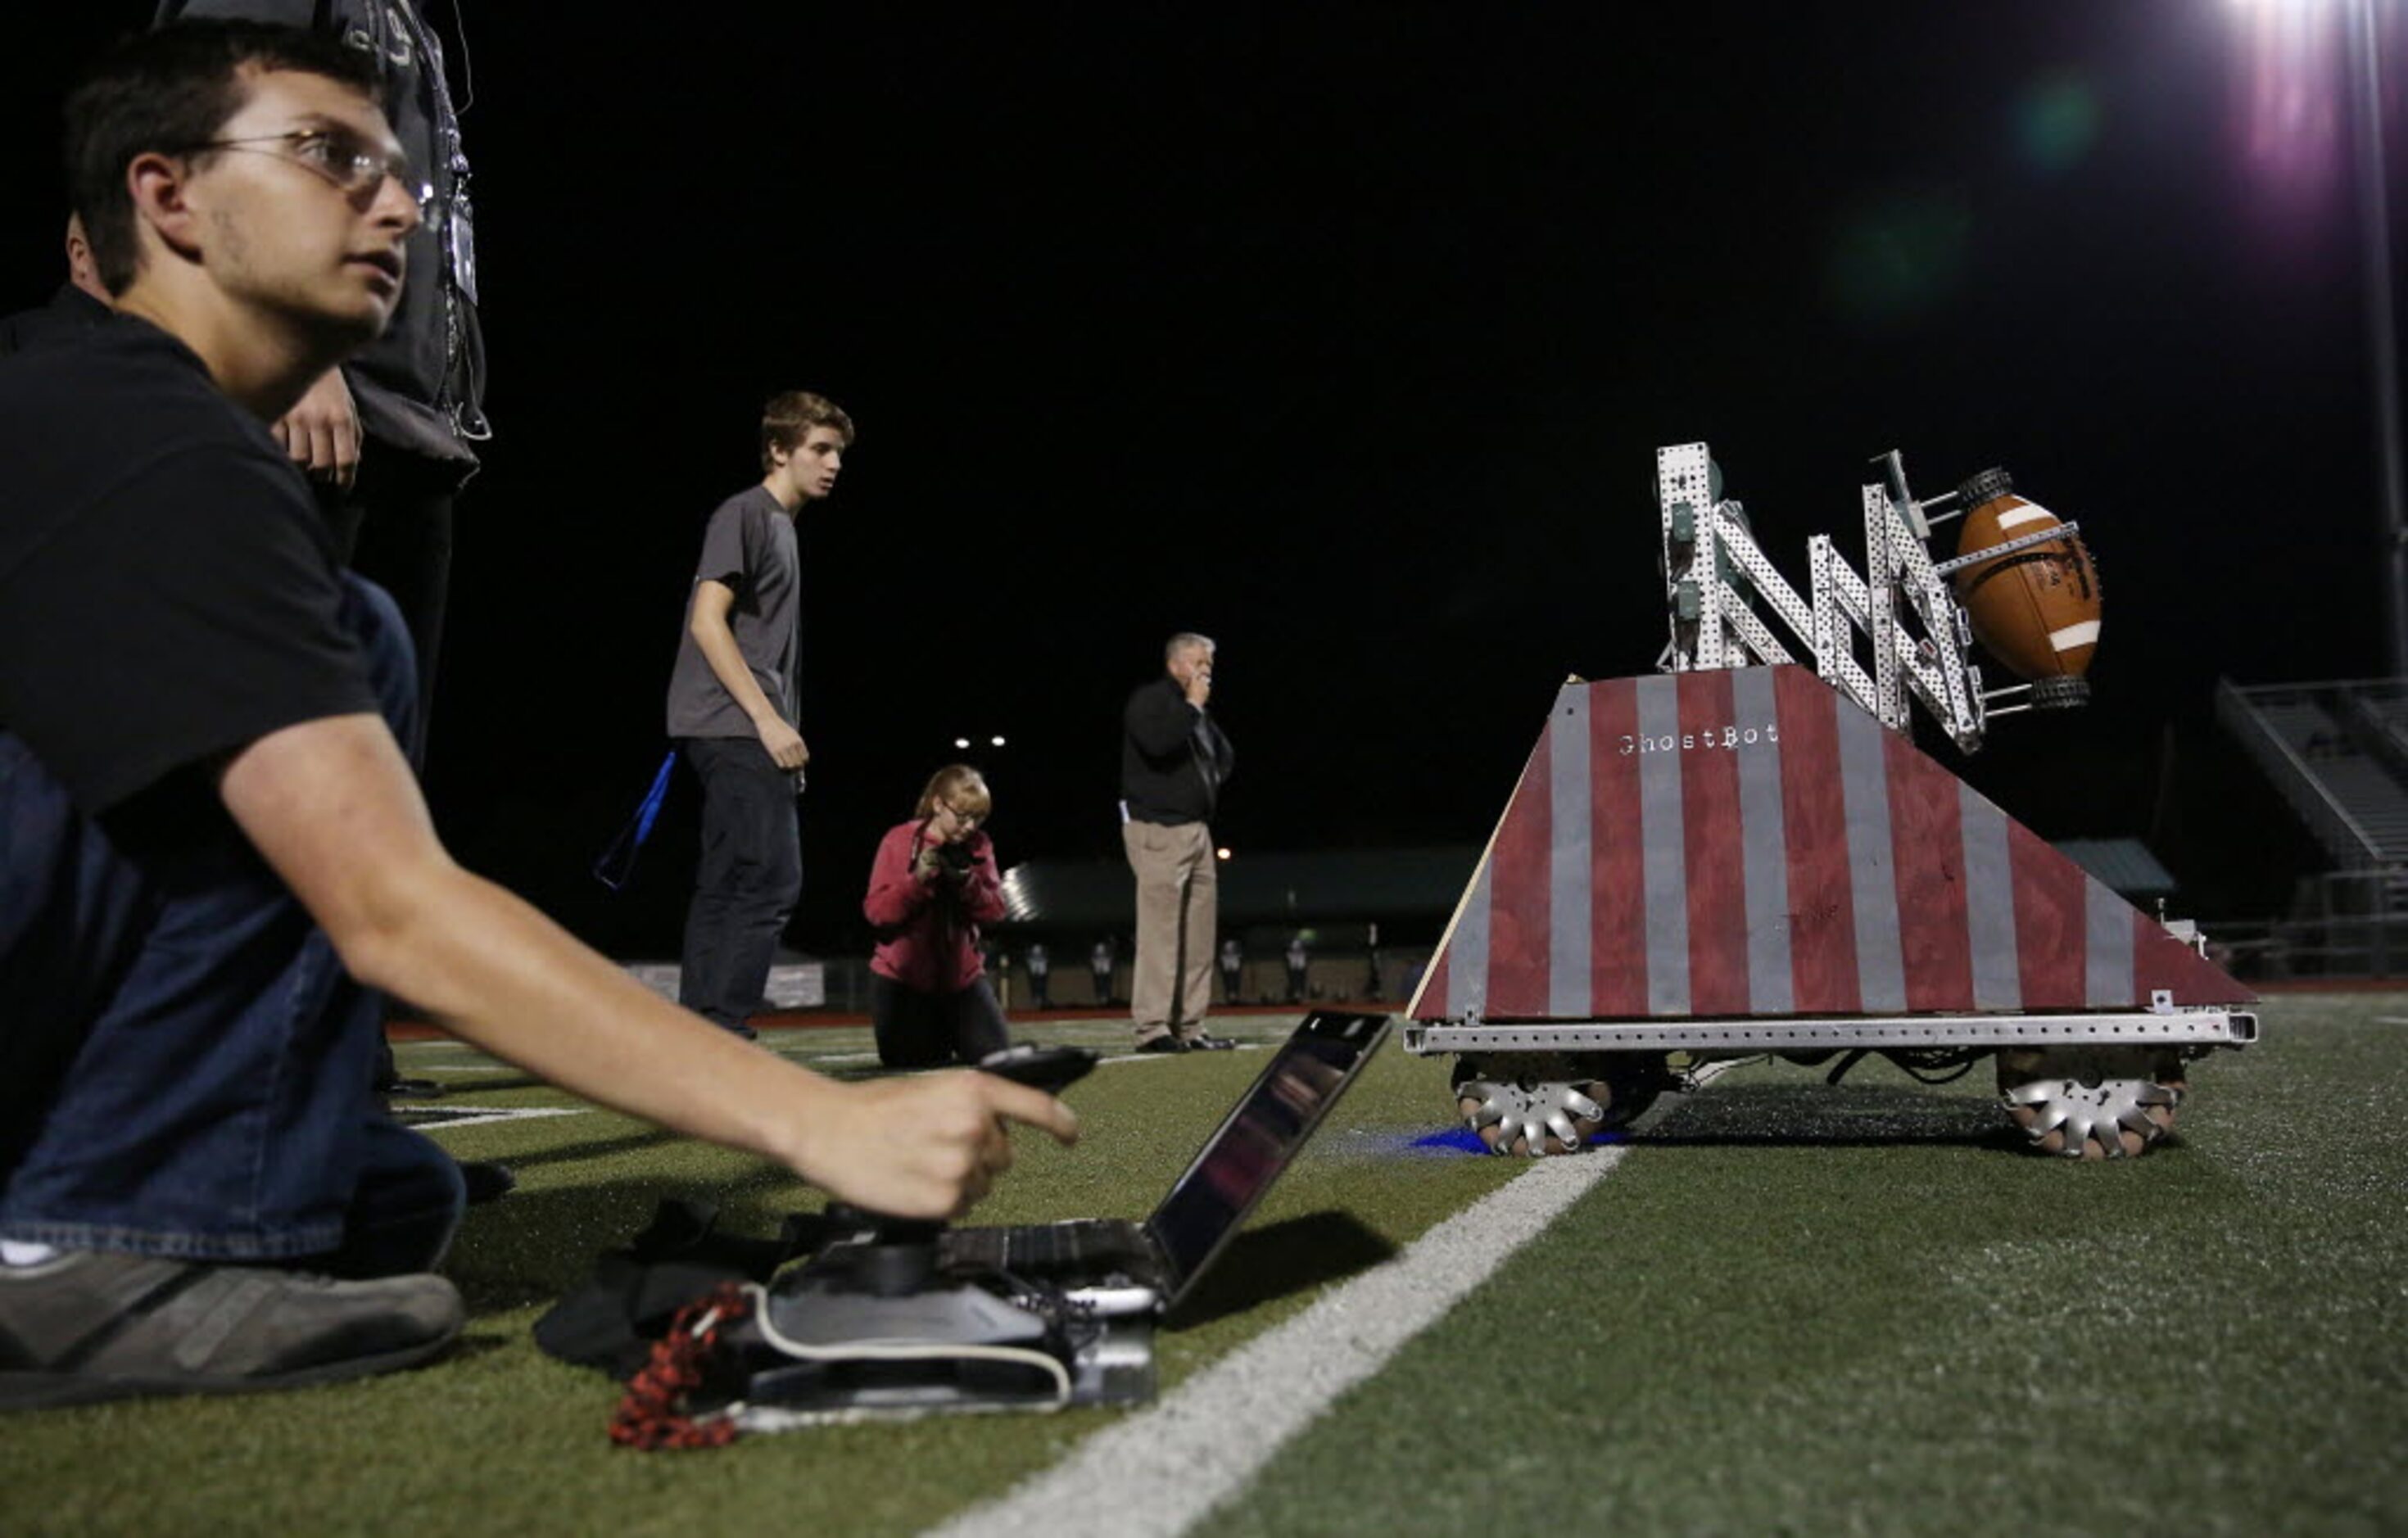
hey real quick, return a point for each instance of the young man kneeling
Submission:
(212, 838)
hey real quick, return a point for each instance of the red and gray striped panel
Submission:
(1749, 843)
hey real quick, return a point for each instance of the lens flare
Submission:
(2056, 123)
(2289, 95)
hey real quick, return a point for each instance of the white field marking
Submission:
(1158, 1471)
(2391, 1019)
(2074, 635)
(444, 1121)
(1100, 1062)
(2018, 517)
(1139, 1059)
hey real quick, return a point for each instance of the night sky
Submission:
(1347, 334)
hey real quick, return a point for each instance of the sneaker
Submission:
(1162, 1044)
(486, 1180)
(743, 1032)
(1202, 1042)
(93, 1325)
(411, 1089)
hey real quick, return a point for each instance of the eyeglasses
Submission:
(341, 158)
(967, 819)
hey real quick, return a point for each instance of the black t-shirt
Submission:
(70, 312)
(168, 591)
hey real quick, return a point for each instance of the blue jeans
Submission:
(750, 877)
(917, 1030)
(184, 1064)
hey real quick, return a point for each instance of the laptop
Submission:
(1116, 1267)
(891, 1325)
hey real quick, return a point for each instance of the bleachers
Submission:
(2338, 753)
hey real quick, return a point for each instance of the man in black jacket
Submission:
(1174, 759)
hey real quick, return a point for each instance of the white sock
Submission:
(20, 1252)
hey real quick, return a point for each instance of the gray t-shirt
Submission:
(750, 546)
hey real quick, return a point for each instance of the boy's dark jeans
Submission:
(184, 1064)
(748, 880)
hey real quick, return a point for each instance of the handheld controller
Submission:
(869, 1325)
(1049, 1069)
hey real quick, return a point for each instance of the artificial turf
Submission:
(498, 1437)
(1797, 1309)
(1792, 1308)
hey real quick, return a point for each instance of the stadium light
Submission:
(2383, 347)
(2275, 28)
(962, 743)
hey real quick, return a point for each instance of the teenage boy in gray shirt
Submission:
(731, 708)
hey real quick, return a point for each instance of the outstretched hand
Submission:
(924, 1148)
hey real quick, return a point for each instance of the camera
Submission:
(953, 859)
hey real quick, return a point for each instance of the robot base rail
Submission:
(2205, 1026)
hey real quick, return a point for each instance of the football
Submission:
(2036, 608)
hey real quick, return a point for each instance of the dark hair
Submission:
(789, 418)
(168, 92)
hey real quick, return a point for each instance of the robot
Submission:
(1745, 855)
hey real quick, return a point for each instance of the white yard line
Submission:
(1158, 1471)
(439, 1119)
(1121, 1060)
(1139, 1059)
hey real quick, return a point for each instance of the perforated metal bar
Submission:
(2021, 541)
(2211, 1028)
(1758, 637)
(1901, 605)
(1881, 611)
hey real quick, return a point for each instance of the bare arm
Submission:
(331, 807)
(322, 432)
(707, 622)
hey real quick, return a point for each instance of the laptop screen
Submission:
(1304, 1078)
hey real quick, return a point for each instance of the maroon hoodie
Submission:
(928, 931)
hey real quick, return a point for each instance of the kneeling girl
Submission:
(932, 884)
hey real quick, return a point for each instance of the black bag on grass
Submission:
(611, 1321)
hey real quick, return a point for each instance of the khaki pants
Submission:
(1178, 897)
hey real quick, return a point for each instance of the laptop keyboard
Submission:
(1083, 1249)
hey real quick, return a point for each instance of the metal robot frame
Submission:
(2084, 1079)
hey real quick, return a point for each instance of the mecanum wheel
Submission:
(1538, 1104)
(2092, 1102)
